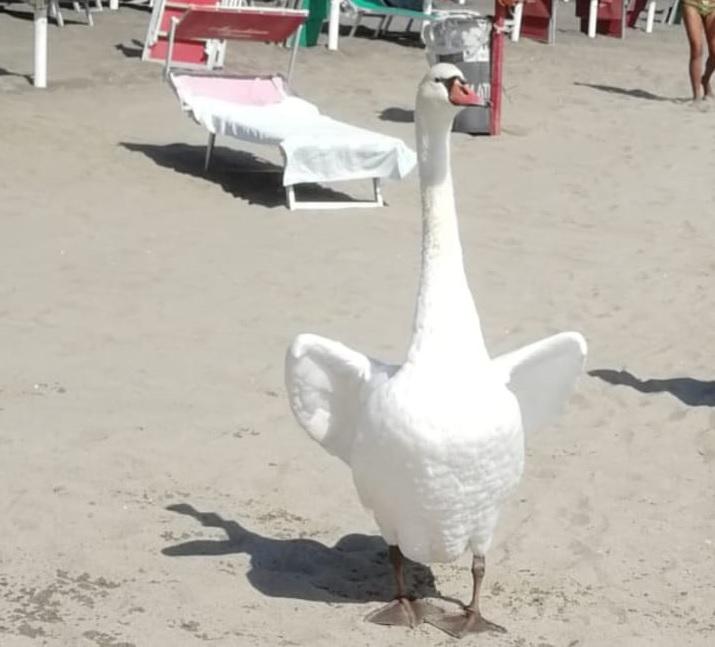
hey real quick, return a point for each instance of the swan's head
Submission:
(444, 88)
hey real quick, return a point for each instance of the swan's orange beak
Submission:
(461, 94)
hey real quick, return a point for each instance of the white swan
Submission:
(436, 444)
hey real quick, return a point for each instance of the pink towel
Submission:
(250, 91)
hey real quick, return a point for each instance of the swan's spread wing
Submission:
(326, 382)
(542, 374)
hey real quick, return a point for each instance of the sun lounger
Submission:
(378, 9)
(264, 110)
(384, 12)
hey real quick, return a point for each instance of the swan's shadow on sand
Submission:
(356, 569)
(695, 393)
(239, 173)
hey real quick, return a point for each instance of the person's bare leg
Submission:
(403, 610)
(710, 64)
(471, 620)
(694, 29)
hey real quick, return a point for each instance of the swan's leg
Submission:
(471, 620)
(403, 610)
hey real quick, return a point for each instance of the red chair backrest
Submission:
(188, 51)
(245, 23)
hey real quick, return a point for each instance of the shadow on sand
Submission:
(355, 570)
(26, 13)
(634, 93)
(239, 173)
(131, 51)
(398, 115)
(694, 393)
(6, 72)
(397, 36)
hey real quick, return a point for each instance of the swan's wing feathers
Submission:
(325, 382)
(541, 375)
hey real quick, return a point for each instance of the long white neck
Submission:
(446, 325)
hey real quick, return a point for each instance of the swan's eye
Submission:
(448, 83)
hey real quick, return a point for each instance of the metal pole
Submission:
(170, 47)
(592, 18)
(334, 25)
(497, 61)
(516, 27)
(294, 52)
(40, 75)
(650, 17)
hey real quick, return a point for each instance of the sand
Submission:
(154, 487)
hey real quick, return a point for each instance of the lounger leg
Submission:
(650, 17)
(377, 187)
(552, 22)
(516, 26)
(209, 151)
(592, 18)
(88, 13)
(170, 47)
(672, 13)
(378, 31)
(356, 24)
(294, 52)
(56, 13)
(290, 197)
(623, 18)
(669, 14)
(386, 27)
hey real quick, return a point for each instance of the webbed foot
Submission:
(403, 612)
(461, 624)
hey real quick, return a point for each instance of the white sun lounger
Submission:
(263, 110)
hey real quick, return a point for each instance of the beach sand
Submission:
(154, 487)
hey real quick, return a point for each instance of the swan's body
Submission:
(437, 443)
